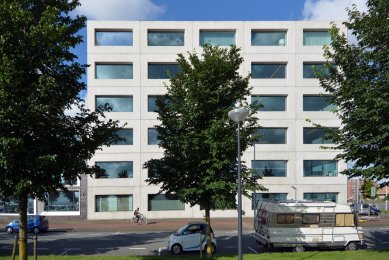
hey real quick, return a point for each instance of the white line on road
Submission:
(233, 231)
(69, 249)
(252, 250)
(137, 248)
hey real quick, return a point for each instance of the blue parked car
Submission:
(35, 224)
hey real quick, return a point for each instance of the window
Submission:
(219, 38)
(165, 38)
(270, 103)
(310, 68)
(12, 206)
(345, 220)
(271, 168)
(71, 182)
(268, 71)
(311, 219)
(63, 201)
(320, 168)
(113, 203)
(158, 202)
(113, 170)
(113, 38)
(318, 103)
(266, 196)
(127, 134)
(162, 71)
(268, 38)
(321, 196)
(315, 136)
(152, 136)
(113, 71)
(271, 135)
(285, 219)
(114, 103)
(151, 103)
(316, 38)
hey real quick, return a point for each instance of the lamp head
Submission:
(238, 114)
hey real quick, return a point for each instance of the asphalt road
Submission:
(149, 243)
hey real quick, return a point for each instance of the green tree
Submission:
(367, 187)
(39, 80)
(360, 86)
(200, 142)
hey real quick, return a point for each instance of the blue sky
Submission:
(211, 10)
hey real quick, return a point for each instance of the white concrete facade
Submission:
(294, 86)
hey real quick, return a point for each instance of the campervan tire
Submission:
(352, 246)
(299, 249)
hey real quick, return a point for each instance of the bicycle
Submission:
(142, 219)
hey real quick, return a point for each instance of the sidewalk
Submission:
(152, 225)
(174, 224)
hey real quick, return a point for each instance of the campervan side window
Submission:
(264, 217)
(285, 219)
(345, 220)
(311, 219)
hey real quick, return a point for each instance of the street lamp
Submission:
(238, 115)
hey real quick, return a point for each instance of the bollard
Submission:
(15, 245)
(35, 238)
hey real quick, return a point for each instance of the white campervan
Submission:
(300, 224)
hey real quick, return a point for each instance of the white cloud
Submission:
(330, 9)
(120, 9)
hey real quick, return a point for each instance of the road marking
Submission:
(252, 250)
(69, 249)
(230, 232)
(137, 248)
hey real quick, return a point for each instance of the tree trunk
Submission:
(209, 239)
(23, 227)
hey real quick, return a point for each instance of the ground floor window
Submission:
(317, 196)
(12, 206)
(266, 196)
(158, 202)
(109, 203)
(63, 201)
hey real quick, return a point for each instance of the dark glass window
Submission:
(268, 71)
(256, 197)
(151, 103)
(113, 38)
(316, 38)
(113, 71)
(309, 70)
(153, 136)
(113, 203)
(114, 103)
(314, 135)
(270, 103)
(112, 170)
(162, 71)
(63, 201)
(271, 135)
(127, 134)
(268, 38)
(165, 38)
(269, 168)
(285, 219)
(320, 168)
(12, 206)
(217, 38)
(159, 202)
(317, 196)
(311, 219)
(317, 103)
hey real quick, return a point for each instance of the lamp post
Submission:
(238, 115)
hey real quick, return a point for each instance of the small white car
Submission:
(187, 238)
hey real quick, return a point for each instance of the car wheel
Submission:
(299, 249)
(9, 230)
(35, 230)
(176, 249)
(352, 246)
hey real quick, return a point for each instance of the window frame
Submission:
(129, 97)
(269, 31)
(101, 30)
(166, 31)
(284, 68)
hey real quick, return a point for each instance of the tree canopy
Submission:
(359, 84)
(40, 146)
